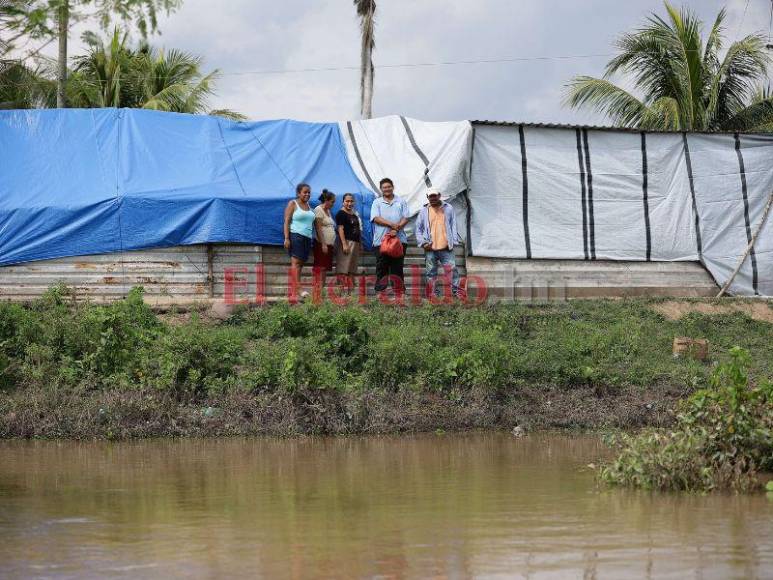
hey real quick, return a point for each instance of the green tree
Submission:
(21, 87)
(48, 19)
(114, 74)
(366, 10)
(7, 17)
(682, 81)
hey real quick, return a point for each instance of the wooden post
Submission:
(748, 248)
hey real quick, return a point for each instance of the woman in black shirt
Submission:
(348, 244)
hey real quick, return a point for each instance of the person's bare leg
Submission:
(296, 271)
(318, 281)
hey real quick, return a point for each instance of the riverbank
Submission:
(117, 414)
(70, 370)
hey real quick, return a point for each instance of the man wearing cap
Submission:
(436, 233)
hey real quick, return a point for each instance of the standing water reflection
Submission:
(483, 504)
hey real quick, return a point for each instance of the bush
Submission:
(723, 437)
(58, 343)
(191, 360)
(113, 335)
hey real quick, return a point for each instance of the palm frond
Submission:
(679, 82)
(605, 97)
(756, 117)
(228, 114)
(744, 65)
(687, 30)
(663, 114)
(19, 86)
(114, 73)
(654, 57)
(714, 42)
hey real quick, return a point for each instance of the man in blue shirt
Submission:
(389, 214)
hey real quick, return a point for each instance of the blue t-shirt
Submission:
(393, 212)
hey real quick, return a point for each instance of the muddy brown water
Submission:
(444, 506)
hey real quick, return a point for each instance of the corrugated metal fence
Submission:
(179, 275)
(185, 275)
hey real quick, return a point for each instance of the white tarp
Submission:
(565, 193)
(414, 154)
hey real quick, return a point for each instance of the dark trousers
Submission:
(387, 266)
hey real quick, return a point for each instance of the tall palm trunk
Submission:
(63, 20)
(366, 83)
(366, 10)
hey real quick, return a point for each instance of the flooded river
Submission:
(445, 506)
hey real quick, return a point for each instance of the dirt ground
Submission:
(674, 310)
(39, 413)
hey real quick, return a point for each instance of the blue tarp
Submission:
(90, 181)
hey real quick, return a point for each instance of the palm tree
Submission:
(21, 87)
(113, 74)
(683, 82)
(366, 10)
(99, 76)
(172, 81)
(53, 19)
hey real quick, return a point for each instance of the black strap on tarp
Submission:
(645, 194)
(745, 193)
(418, 150)
(376, 190)
(581, 161)
(525, 192)
(692, 193)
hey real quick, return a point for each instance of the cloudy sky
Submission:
(246, 38)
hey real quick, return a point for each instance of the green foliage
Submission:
(23, 86)
(723, 437)
(114, 74)
(60, 344)
(190, 360)
(38, 18)
(337, 333)
(114, 334)
(111, 73)
(683, 83)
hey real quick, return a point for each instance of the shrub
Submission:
(723, 437)
(191, 360)
(12, 317)
(113, 335)
(399, 356)
(303, 367)
(59, 342)
(56, 342)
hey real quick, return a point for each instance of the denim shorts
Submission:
(300, 246)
